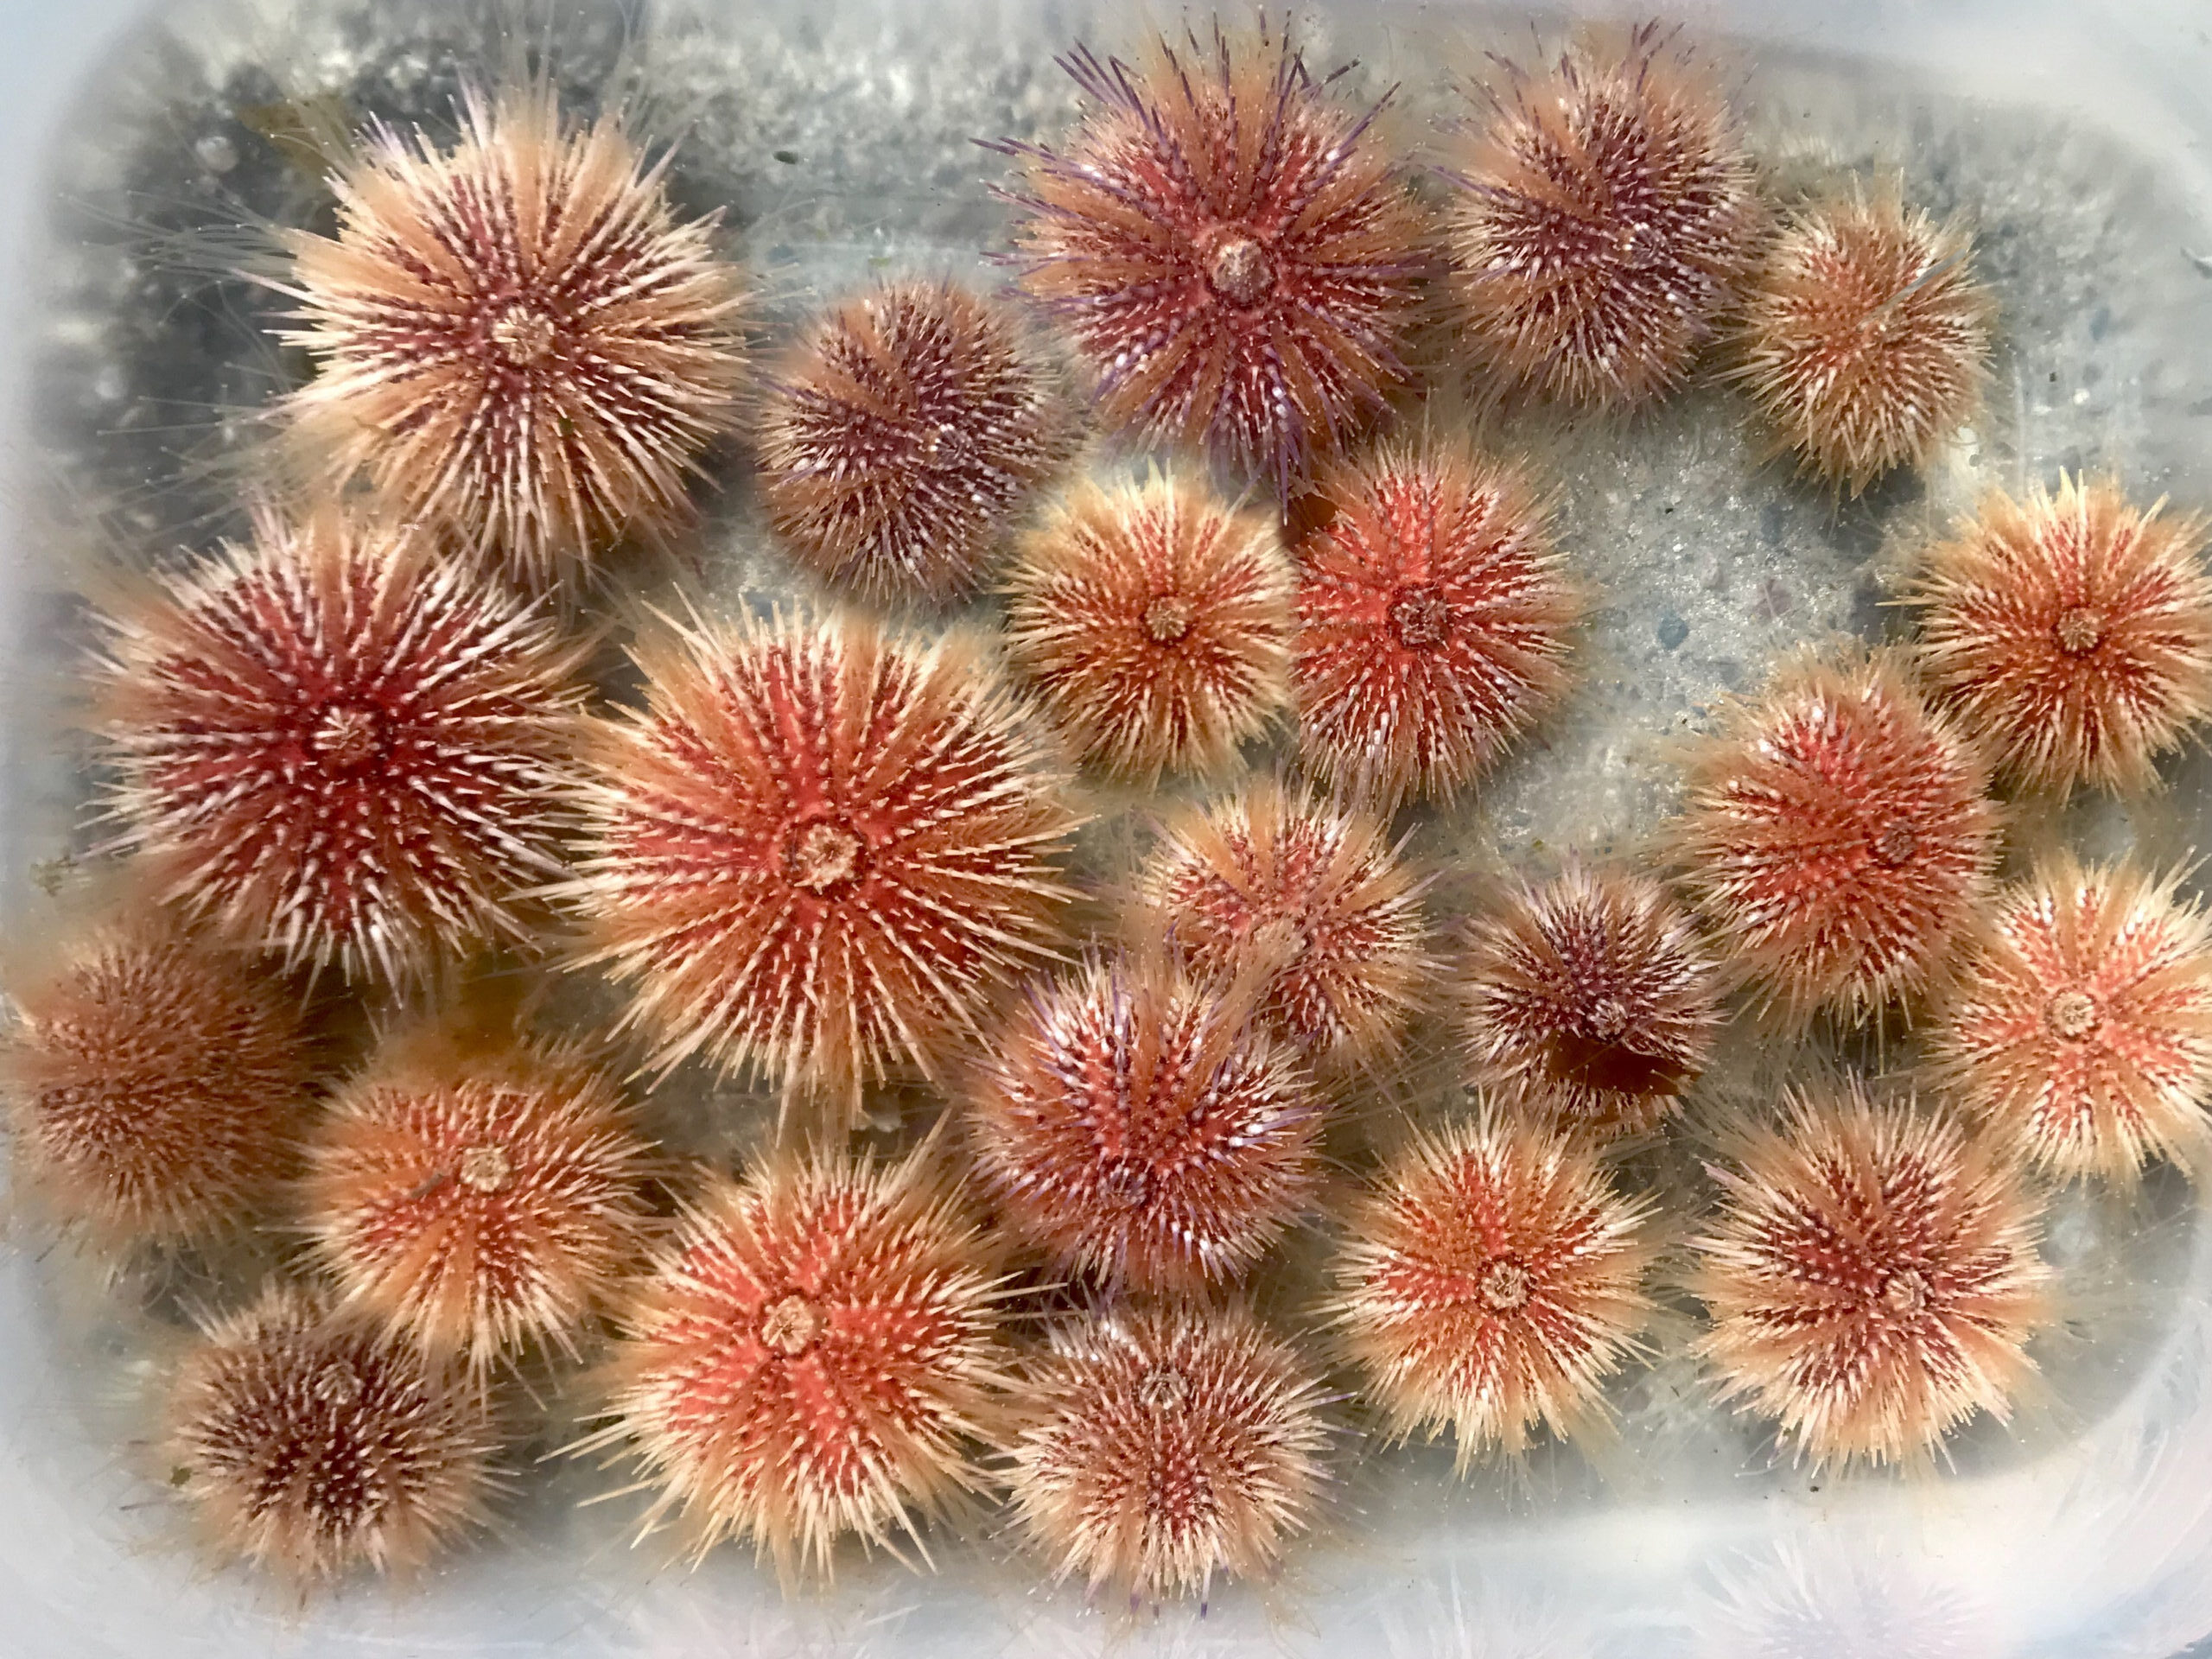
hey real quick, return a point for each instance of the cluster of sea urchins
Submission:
(359, 765)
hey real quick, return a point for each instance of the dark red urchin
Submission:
(818, 850)
(2072, 633)
(2082, 1027)
(1311, 896)
(1864, 337)
(339, 744)
(1158, 1446)
(310, 1447)
(156, 1085)
(900, 436)
(1488, 1282)
(1590, 1000)
(515, 340)
(1154, 622)
(1137, 1128)
(1232, 251)
(1432, 623)
(1838, 836)
(474, 1200)
(1872, 1276)
(807, 1359)
(1604, 215)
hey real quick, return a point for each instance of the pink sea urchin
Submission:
(337, 745)
(899, 436)
(818, 850)
(2072, 633)
(2083, 1021)
(515, 338)
(1230, 251)
(1603, 215)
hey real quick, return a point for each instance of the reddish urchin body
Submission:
(818, 851)
(1139, 1129)
(2072, 634)
(805, 1360)
(1603, 216)
(1488, 1284)
(2082, 1023)
(900, 436)
(514, 339)
(155, 1085)
(1160, 1445)
(1837, 835)
(1590, 1000)
(1871, 1277)
(1154, 621)
(1310, 896)
(1432, 623)
(475, 1200)
(1865, 338)
(1232, 251)
(310, 1447)
(338, 745)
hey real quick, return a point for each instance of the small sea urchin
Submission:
(1159, 1447)
(515, 338)
(2082, 1022)
(805, 1360)
(1871, 1277)
(156, 1085)
(337, 745)
(1590, 1000)
(308, 1446)
(1837, 835)
(1432, 617)
(2072, 633)
(1311, 896)
(1229, 250)
(475, 1198)
(1488, 1284)
(818, 850)
(899, 436)
(1154, 621)
(1139, 1128)
(1864, 337)
(1603, 215)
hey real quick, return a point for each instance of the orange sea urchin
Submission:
(473, 1198)
(1488, 1283)
(1160, 1445)
(1432, 622)
(1229, 250)
(1590, 999)
(515, 340)
(818, 850)
(900, 436)
(1154, 621)
(2072, 633)
(337, 745)
(156, 1085)
(310, 1447)
(1865, 337)
(1837, 835)
(1138, 1127)
(804, 1361)
(2082, 1023)
(1603, 215)
(1871, 1277)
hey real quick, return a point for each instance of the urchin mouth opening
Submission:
(1239, 271)
(823, 855)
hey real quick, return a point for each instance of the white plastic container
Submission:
(2080, 137)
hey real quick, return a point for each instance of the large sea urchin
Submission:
(818, 850)
(515, 338)
(1229, 250)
